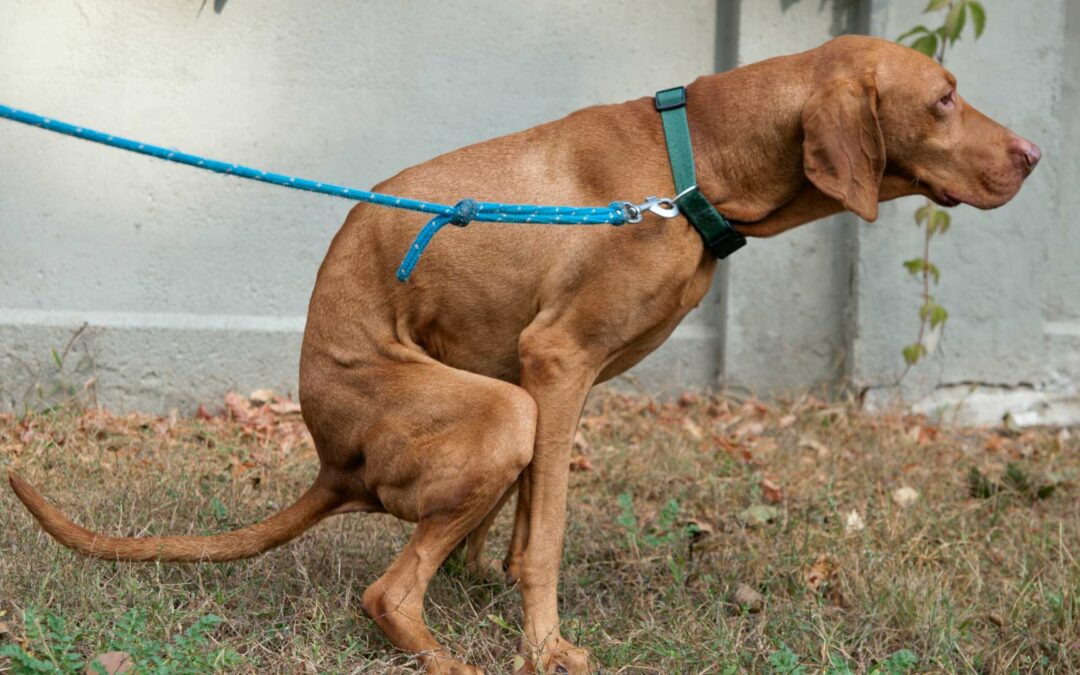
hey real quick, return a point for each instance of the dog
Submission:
(437, 399)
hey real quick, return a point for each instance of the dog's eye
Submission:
(946, 101)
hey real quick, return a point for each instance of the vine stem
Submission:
(923, 315)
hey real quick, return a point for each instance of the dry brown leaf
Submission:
(284, 406)
(580, 463)
(853, 522)
(112, 662)
(772, 492)
(693, 429)
(913, 433)
(580, 443)
(817, 446)
(748, 598)
(905, 496)
(237, 408)
(786, 421)
(749, 428)
(701, 528)
(821, 573)
(261, 396)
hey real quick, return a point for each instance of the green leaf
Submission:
(501, 623)
(56, 358)
(938, 222)
(917, 30)
(913, 352)
(1045, 491)
(927, 44)
(954, 22)
(1016, 479)
(221, 512)
(926, 309)
(933, 271)
(938, 316)
(943, 221)
(915, 265)
(978, 17)
(979, 486)
(785, 662)
(903, 661)
(923, 213)
(935, 5)
(759, 514)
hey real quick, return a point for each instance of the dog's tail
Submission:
(314, 505)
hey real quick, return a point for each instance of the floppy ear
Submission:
(843, 151)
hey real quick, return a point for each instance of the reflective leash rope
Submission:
(460, 214)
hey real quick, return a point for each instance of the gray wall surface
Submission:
(192, 284)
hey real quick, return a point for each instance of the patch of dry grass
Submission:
(661, 533)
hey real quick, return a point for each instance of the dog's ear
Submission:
(843, 150)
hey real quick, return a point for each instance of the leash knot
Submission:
(464, 212)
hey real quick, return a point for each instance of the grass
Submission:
(673, 507)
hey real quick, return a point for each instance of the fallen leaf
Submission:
(580, 463)
(748, 598)
(518, 664)
(905, 496)
(821, 573)
(203, 414)
(284, 406)
(261, 396)
(914, 433)
(994, 443)
(772, 492)
(689, 398)
(817, 446)
(759, 514)
(853, 522)
(699, 529)
(112, 662)
(579, 441)
(692, 428)
(237, 407)
(786, 421)
(749, 428)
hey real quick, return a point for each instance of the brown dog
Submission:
(433, 400)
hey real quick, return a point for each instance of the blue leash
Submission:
(460, 214)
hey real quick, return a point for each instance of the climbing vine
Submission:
(934, 220)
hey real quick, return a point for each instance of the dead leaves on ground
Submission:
(267, 429)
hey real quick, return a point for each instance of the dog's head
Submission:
(879, 109)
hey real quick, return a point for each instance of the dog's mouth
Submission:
(943, 197)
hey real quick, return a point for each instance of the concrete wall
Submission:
(192, 284)
(789, 296)
(1009, 276)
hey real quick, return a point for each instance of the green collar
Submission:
(719, 236)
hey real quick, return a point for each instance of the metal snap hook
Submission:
(661, 206)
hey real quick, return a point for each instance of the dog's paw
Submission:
(558, 658)
(442, 665)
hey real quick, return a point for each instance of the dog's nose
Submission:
(1027, 153)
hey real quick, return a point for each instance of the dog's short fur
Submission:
(434, 400)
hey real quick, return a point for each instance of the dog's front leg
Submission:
(558, 376)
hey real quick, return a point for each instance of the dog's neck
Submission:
(747, 135)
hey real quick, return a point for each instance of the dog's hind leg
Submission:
(445, 450)
(474, 543)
